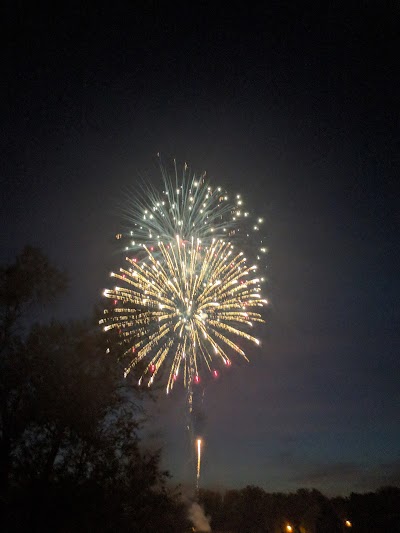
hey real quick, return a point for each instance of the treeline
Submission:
(252, 510)
(71, 459)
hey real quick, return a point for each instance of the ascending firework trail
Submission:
(187, 293)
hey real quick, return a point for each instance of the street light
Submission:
(347, 523)
(289, 528)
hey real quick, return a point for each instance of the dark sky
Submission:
(296, 107)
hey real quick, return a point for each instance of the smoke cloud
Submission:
(200, 521)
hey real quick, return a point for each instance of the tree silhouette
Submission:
(30, 281)
(70, 450)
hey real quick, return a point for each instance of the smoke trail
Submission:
(196, 425)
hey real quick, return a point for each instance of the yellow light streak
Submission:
(198, 444)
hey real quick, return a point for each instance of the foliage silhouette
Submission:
(70, 450)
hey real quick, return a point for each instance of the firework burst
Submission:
(181, 307)
(188, 296)
(190, 208)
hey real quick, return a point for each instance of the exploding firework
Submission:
(187, 299)
(188, 295)
(181, 308)
(190, 208)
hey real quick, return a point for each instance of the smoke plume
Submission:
(200, 521)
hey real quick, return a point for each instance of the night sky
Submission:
(297, 108)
